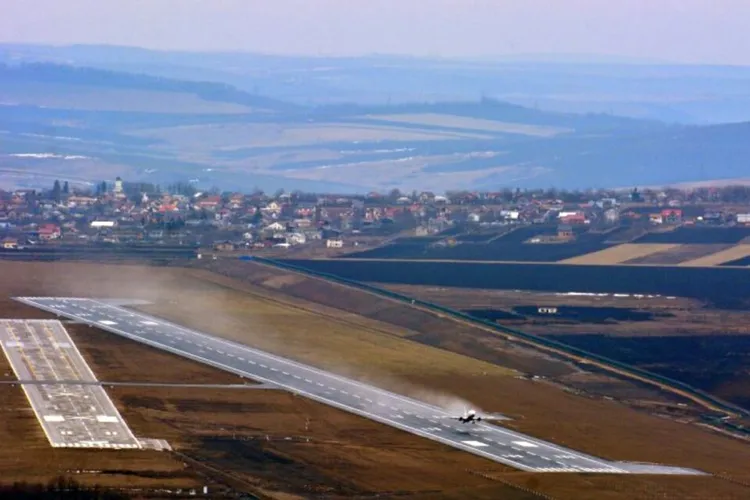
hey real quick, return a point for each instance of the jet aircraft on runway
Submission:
(469, 416)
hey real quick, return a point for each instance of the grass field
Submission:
(730, 254)
(619, 253)
(347, 455)
(478, 124)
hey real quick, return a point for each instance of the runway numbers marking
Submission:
(525, 444)
(477, 444)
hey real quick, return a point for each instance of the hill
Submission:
(106, 123)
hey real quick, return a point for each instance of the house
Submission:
(611, 215)
(671, 215)
(335, 243)
(272, 207)
(743, 219)
(224, 246)
(305, 209)
(209, 203)
(276, 226)
(572, 218)
(103, 224)
(565, 232)
(9, 243)
(655, 219)
(296, 239)
(49, 232)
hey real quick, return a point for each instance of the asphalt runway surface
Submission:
(490, 441)
(71, 415)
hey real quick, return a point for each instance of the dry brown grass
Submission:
(619, 253)
(347, 454)
(730, 254)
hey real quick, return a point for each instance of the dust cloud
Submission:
(185, 297)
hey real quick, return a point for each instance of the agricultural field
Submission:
(725, 256)
(505, 246)
(463, 122)
(721, 286)
(698, 235)
(620, 253)
(308, 448)
(680, 254)
(280, 135)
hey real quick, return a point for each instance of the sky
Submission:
(688, 31)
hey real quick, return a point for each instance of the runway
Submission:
(76, 415)
(490, 441)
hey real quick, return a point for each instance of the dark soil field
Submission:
(703, 235)
(745, 261)
(724, 287)
(681, 339)
(277, 444)
(510, 246)
(719, 364)
(682, 253)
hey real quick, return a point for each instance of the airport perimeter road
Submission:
(73, 415)
(490, 441)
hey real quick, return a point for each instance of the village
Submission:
(124, 213)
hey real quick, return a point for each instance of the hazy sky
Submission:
(710, 31)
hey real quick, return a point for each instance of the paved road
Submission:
(490, 441)
(73, 415)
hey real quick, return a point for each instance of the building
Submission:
(335, 243)
(224, 246)
(565, 232)
(671, 216)
(49, 232)
(103, 224)
(9, 243)
(118, 190)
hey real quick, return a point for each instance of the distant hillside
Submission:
(26, 82)
(688, 94)
(492, 109)
(105, 123)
